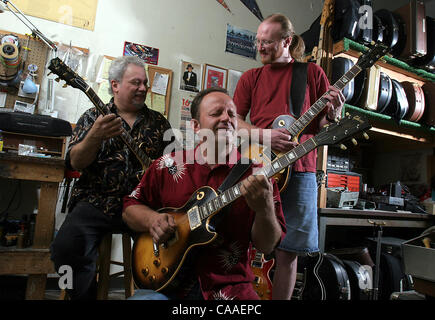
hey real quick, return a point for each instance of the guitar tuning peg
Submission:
(354, 141)
(50, 73)
(343, 147)
(65, 86)
(347, 114)
(57, 79)
(366, 136)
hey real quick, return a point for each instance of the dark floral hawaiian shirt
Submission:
(115, 171)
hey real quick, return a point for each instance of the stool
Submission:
(104, 262)
(103, 267)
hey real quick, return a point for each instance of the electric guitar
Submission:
(260, 268)
(296, 126)
(71, 78)
(163, 267)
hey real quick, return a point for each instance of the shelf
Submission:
(355, 49)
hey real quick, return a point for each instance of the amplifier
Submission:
(350, 180)
(34, 124)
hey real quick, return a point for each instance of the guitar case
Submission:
(414, 94)
(429, 96)
(340, 65)
(360, 278)
(385, 92)
(378, 29)
(326, 277)
(398, 106)
(413, 16)
(359, 83)
(369, 97)
(311, 36)
(428, 60)
(346, 20)
(391, 31)
(366, 34)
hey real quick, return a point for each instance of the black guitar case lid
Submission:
(311, 36)
(340, 65)
(378, 29)
(429, 97)
(360, 282)
(391, 32)
(385, 92)
(359, 83)
(397, 49)
(428, 60)
(346, 20)
(398, 106)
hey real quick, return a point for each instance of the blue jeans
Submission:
(147, 294)
(299, 203)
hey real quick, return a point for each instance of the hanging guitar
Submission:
(163, 267)
(71, 78)
(296, 126)
(261, 268)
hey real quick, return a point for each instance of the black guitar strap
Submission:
(235, 174)
(298, 88)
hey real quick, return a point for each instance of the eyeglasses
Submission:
(264, 42)
(137, 83)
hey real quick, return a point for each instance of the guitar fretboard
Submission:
(298, 126)
(233, 193)
(125, 136)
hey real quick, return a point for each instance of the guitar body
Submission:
(261, 268)
(168, 268)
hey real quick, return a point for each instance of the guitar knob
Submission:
(145, 271)
(165, 270)
(354, 141)
(65, 86)
(156, 262)
(57, 79)
(152, 278)
(366, 136)
(343, 147)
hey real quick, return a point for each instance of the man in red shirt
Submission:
(265, 93)
(222, 267)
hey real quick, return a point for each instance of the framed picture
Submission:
(214, 77)
(190, 76)
(147, 54)
(233, 78)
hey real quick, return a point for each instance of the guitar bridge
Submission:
(194, 219)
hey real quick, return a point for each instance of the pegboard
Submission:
(36, 55)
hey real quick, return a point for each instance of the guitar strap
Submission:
(298, 88)
(235, 174)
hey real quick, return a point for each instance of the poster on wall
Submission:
(147, 54)
(190, 76)
(185, 125)
(241, 42)
(215, 77)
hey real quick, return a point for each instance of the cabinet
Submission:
(387, 137)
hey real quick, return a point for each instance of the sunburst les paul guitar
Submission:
(296, 126)
(261, 269)
(163, 267)
(71, 78)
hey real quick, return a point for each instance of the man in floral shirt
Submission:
(109, 170)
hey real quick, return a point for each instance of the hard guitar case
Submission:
(428, 60)
(398, 106)
(346, 20)
(366, 15)
(413, 15)
(340, 65)
(360, 278)
(369, 97)
(429, 96)
(414, 94)
(385, 92)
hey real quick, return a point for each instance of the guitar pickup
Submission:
(194, 219)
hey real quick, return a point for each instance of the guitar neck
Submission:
(299, 125)
(125, 136)
(230, 195)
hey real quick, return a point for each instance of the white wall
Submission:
(192, 30)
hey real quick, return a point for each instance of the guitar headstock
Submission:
(368, 59)
(327, 13)
(65, 73)
(342, 130)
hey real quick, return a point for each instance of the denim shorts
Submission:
(299, 204)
